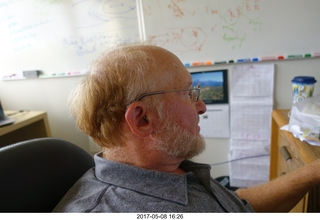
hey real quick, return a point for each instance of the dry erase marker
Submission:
(187, 64)
(280, 57)
(243, 60)
(74, 73)
(208, 63)
(307, 55)
(295, 56)
(220, 62)
(317, 54)
(268, 58)
(197, 63)
(255, 59)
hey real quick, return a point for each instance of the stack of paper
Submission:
(251, 105)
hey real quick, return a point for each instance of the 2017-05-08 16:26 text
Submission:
(159, 216)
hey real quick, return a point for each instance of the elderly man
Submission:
(137, 103)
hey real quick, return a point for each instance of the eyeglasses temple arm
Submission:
(148, 94)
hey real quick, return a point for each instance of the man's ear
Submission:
(136, 117)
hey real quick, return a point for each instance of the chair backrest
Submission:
(36, 174)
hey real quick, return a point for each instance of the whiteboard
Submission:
(61, 35)
(223, 30)
(66, 35)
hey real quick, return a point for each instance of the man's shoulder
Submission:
(83, 193)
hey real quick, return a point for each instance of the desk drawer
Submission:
(295, 154)
(288, 159)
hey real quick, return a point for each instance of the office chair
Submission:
(36, 174)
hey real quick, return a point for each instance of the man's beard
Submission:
(176, 141)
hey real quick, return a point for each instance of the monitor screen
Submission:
(214, 85)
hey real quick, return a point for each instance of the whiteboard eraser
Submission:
(31, 73)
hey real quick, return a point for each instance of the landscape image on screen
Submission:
(211, 85)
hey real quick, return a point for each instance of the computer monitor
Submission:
(214, 85)
(5, 120)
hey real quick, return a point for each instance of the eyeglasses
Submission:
(194, 93)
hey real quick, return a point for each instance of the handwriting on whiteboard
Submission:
(84, 26)
(186, 25)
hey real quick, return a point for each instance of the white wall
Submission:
(51, 95)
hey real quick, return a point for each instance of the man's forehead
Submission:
(181, 81)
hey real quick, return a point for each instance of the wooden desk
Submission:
(28, 125)
(288, 153)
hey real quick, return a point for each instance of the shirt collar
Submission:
(163, 185)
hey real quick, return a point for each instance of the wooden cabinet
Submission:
(288, 153)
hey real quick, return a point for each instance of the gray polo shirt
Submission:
(118, 187)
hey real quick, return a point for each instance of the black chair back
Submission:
(36, 174)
